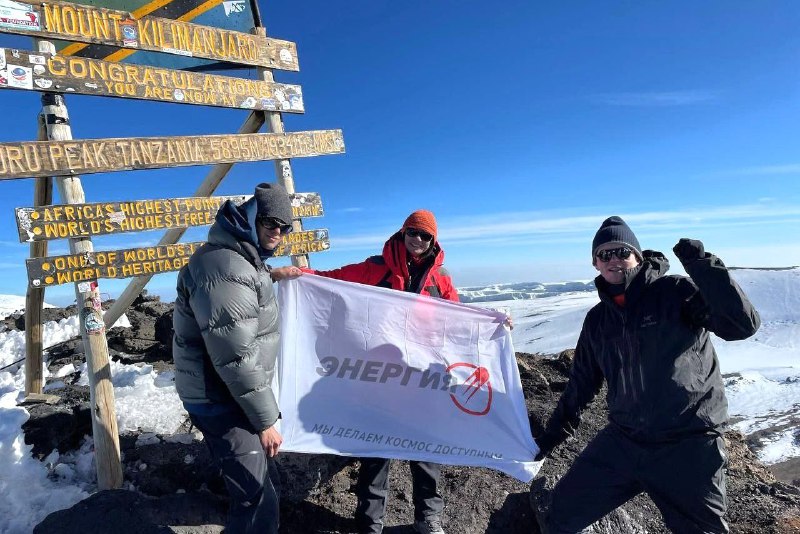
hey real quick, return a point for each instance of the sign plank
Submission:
(30, 159)
(127, 263)
(305, 242)
(43, 223)
(236, 15)
(69, 74)
(110, 27)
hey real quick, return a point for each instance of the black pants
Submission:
(373, 485)
(251, 477)
(685, 479)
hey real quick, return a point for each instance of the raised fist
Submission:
(688, 250)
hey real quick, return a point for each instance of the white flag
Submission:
(375, 372)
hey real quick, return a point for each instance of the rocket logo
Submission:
(472, 392)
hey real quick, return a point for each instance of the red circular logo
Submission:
(473, 392)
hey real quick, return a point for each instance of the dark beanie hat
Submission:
(272, 200)
(615, 230)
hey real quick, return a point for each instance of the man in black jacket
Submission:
(649, 339)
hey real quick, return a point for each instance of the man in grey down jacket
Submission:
(226, 342)
(649, 339)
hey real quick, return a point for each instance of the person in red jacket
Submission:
(411, 261)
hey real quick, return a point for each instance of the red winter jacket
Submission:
(391, 269)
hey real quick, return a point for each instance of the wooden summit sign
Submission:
(55, 270)
(68, 74)
(30, 159)
(100, 218)
(97, 25)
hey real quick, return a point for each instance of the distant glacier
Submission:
(521, 291)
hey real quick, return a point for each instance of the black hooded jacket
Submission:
(655, 353)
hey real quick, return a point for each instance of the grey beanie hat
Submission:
(272, 200)
(615, 230)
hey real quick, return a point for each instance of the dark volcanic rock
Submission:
(10, 322)
(129, 512)
(48, 314)
(164, 330)
(66, 352)
(180, 490)
(166, 468)
(149, 339)
(60, 426)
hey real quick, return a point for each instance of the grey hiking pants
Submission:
(251, 477)
(685, 479)
(373, 486)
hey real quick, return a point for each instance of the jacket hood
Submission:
(396, 256)
(657, 262)
(235, 229)
(653, 266)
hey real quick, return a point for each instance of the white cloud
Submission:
(790, 168)
(655, 99)
(545, 227)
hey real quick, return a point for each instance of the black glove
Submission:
(689, 250)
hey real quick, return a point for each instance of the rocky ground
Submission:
(176, 489)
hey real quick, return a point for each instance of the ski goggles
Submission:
(623, 253)
(413, 232)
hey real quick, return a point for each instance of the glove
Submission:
(689, 250)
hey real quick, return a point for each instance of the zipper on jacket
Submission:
(633, 359)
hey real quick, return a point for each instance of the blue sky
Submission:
(520, 124)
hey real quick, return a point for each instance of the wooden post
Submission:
(34, 297)
(253, 123)
(283, 167)
(283, 170)
(104, 419)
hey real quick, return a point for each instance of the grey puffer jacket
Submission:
(226, 324)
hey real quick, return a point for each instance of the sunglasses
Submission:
(271, 223)
(413, 232)
(623, 253)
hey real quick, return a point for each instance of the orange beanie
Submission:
(422, 220)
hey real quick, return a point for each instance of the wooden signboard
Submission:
(68, 74)
(29, 159)
(306, 242)
(97, 25)
(306, 205)
(78, 268)
(100, 218)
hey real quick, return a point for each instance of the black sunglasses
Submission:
(622, 253)
(413, 232)
(271, 223)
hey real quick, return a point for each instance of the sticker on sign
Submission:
(234, 6)
(20, 77)
(16, 15)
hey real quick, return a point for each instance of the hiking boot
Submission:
(432, 525)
